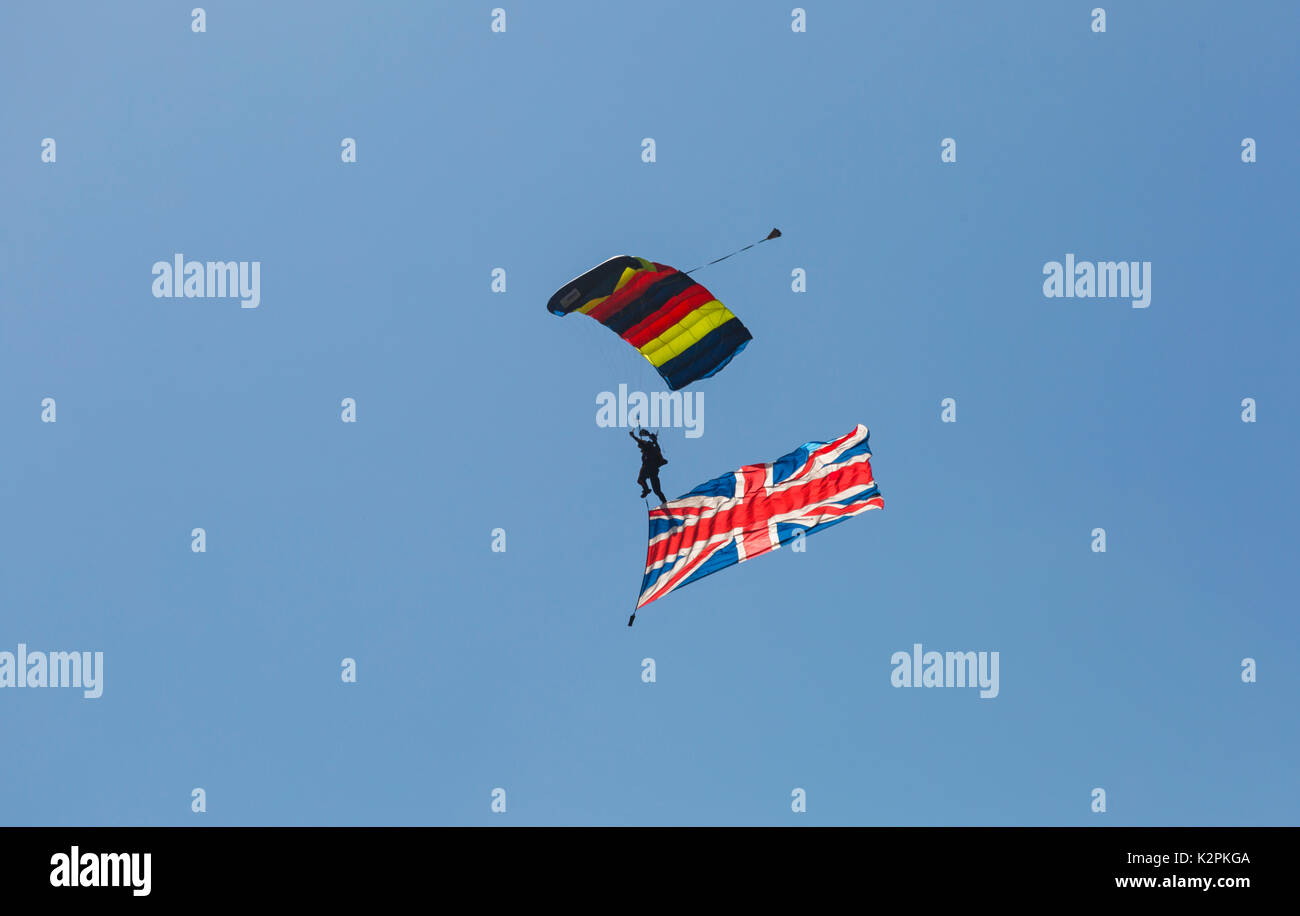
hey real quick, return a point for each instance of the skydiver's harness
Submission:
(651, 457)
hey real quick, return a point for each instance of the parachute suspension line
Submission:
(631, 620)
(774, 234)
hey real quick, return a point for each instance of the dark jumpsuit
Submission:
(652, 459)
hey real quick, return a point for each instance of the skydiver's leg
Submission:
(645, 472)
(654, 480)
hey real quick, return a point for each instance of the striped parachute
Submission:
(674, 322)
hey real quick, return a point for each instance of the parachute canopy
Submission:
(674, 322)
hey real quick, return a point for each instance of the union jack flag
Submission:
(746, 513)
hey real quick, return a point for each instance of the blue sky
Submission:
(476, 410)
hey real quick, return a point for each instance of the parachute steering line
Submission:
(774, 234)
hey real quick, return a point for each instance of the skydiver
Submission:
(652, 459)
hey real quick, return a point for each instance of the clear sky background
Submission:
(476, 410)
